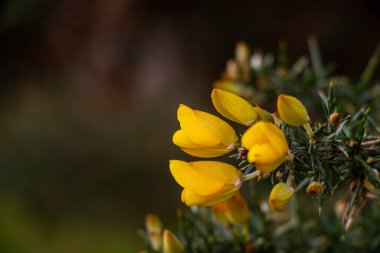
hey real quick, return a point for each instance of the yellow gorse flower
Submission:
(279, 196)
(233, 107)
(170, 243)
(266, 144)
(234, 211)
(203, 134)
(292, 111)
(206, 183)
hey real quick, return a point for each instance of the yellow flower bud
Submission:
(315, 189)
(203, 134)
(266, 144)
(292, 111)
(153, 226)
(234, 211)
(170, 243)
(334, 118)
(233, 107)
(206, 183)
(263, 114)
(280, 196)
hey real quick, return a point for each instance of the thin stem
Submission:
(252, 175)
(371, 142)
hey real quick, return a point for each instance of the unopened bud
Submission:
(279, 174)
(154, 228)
(170, 243)
(280, 196)
(315, 189)
(335, 118)
(291, 110)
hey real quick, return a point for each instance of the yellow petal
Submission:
(220, 129)
(263, 153)
(265, 132)
(197, 132)
(182, 140)
(192, 199)
(237, 209)
(206, 152)
(189, 177)
(269, 167)
(291, 110)
(170, 243)
(233, 107)
(217, 171)
(280, 196)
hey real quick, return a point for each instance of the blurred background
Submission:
(89, 93)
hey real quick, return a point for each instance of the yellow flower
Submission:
(206, 183)
(279, 196)
(266, 144)
(233, 107)
(203, 134)
(292, 111)
(315, 189)
(235, 210)
(170, 243)
(154, 228)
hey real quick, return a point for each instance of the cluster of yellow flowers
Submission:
(213, 183)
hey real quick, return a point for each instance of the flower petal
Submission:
(264, 132)
(233, 107)
(182, 140)
(206, 152)
(199, 133)
(189, 177)
(263, 153)
(192, 199)
(269, 167)
(217, 171)
(220, 129)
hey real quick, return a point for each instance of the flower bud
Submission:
(280, 196)
(233, 107)
(170, 243)
(263, 114)
(232, 70)
(153, 226)
(315, 189)
(335, 118)
(291, 110)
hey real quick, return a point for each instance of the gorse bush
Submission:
(323, 140)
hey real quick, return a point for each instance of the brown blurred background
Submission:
(89, 93)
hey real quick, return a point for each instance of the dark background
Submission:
(88, 98)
